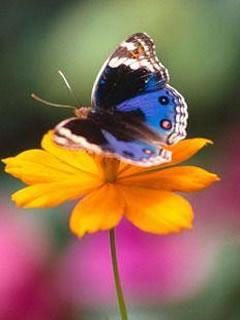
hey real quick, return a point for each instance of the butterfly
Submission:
(135, 113)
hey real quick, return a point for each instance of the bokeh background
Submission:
(45, 272)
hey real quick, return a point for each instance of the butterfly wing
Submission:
(134, 79)
(135, 112)
(75, 133)
(164, 112)
(131, 70)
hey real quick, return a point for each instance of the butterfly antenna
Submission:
(75, 97)
(49, 103)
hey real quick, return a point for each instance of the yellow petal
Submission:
(159, 212)
(181, 151)
(187, 148)
(79, 159)
(124, 167)
(38, 166)
(185, 179)
(100, 210)
(48, 195)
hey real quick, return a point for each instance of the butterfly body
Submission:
(135, 112)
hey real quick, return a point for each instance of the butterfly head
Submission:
(82, 112)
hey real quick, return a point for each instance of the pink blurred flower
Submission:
(220, 205)
(26, 292)
(153, 269)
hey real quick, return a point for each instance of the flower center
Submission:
(110, 169)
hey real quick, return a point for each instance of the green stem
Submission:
(121, 302)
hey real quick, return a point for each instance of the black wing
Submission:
(99, 136)
(131, 70)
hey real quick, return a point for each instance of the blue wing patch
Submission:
(165, 111)
(137, 152)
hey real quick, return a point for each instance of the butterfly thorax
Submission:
(82, 112)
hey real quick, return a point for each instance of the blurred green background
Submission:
(199, 42)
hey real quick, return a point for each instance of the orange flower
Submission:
(109, 189)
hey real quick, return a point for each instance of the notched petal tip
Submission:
(158, 212)
(9, 162)
(181, 151)
(179, 178)
(208, 141)
(93, 213)
(190, 146)
(208, 178)
(203, 141)
(186, 149)
(18, 200)
(47, 138)
(6, 160)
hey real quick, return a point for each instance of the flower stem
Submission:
(121, 302)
